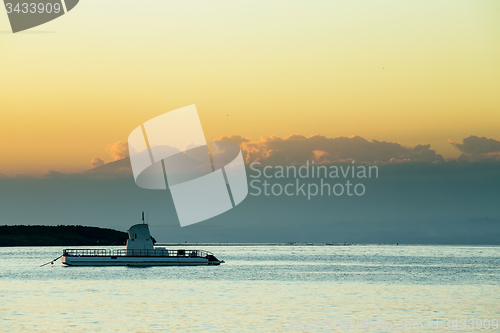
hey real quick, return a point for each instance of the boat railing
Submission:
(135, 253)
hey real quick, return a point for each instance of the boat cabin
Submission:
(139, 238)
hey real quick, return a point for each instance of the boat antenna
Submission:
(142, 217)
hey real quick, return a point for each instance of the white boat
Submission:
(140, 251)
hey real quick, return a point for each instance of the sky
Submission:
(411, 73)
(408, 86)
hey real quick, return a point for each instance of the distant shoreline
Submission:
(259, 244)
(61, 235)
(317, 244)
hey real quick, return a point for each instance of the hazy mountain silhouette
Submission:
(116, 168)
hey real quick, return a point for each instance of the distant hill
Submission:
(37, 235)
(119, 168)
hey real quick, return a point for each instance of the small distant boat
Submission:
(140, 251)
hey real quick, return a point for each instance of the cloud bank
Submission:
(475, 148)
(119, 152)
(297, 149)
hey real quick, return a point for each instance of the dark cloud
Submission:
(296, 149)
(475, 148)
(237, 139)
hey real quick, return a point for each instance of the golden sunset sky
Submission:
(412, 72)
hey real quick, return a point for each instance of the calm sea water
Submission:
(259, 288)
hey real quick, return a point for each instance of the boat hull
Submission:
(136, 261)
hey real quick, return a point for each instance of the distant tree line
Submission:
(61, 235)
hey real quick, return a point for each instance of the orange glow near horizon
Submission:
(418, 72)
